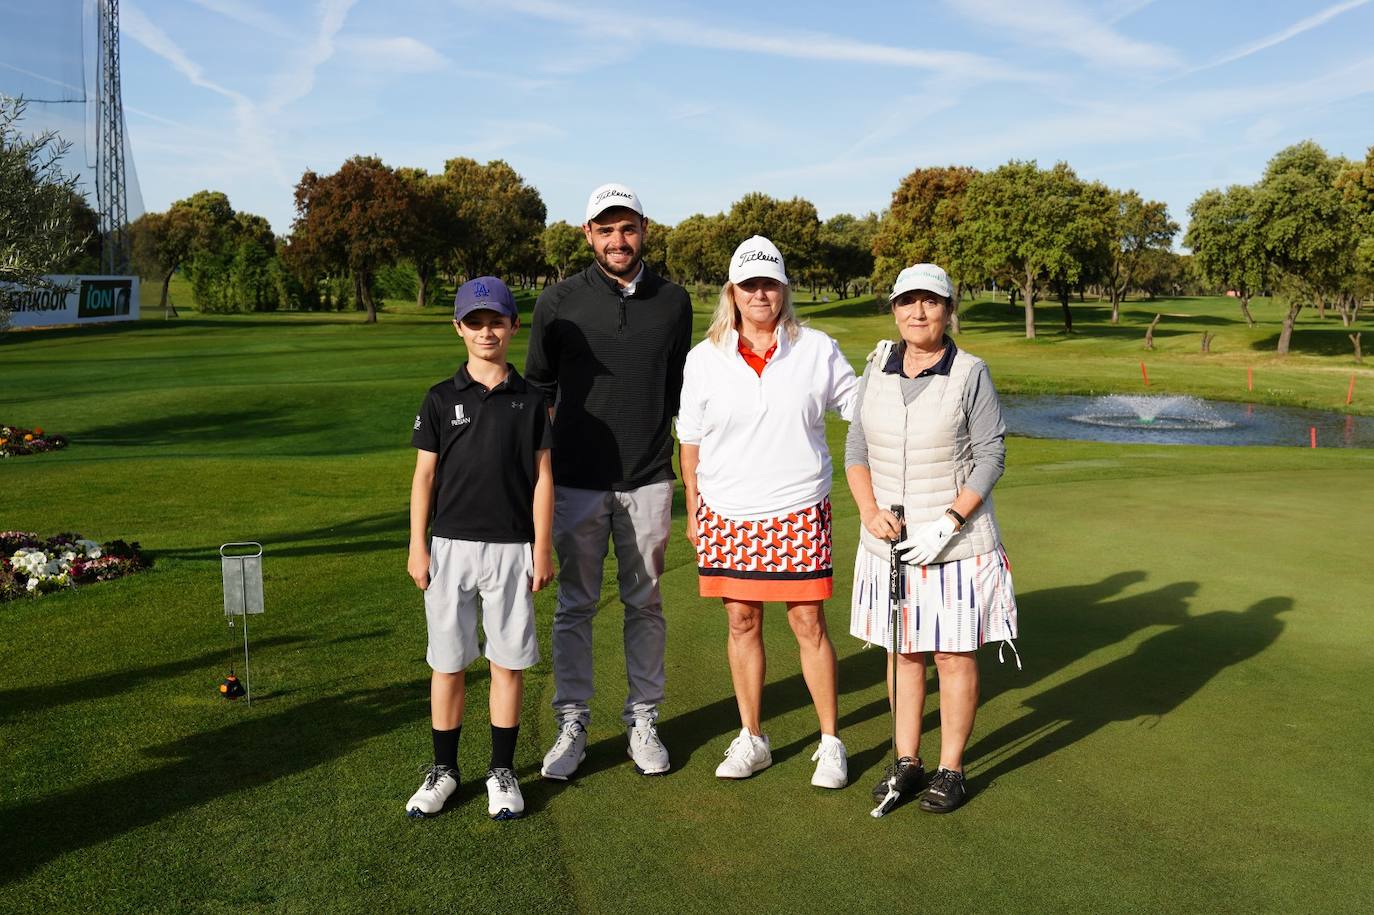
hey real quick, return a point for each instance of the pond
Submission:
(1176, 420)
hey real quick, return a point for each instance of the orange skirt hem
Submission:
(762, 589)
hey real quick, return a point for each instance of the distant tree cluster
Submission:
(1305, 229)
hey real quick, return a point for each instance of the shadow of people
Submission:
(1161, 674)
(254, 750)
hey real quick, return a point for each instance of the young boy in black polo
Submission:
(483, 468)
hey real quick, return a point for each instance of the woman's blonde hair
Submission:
(726, 317)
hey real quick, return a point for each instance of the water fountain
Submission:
(1180, 420)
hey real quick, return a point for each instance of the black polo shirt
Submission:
(486, 441)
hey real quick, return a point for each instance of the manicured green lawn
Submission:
(1189, 731)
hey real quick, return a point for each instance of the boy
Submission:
(483, 467)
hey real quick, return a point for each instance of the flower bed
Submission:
(31, 565)
(15, 441)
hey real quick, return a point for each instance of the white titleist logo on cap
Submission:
(747, 256)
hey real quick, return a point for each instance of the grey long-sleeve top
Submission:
(987, 431)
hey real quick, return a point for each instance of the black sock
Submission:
(503, 747)
(446, 747)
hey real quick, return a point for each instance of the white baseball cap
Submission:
(757, 256)
(612, 195)
(923, 276)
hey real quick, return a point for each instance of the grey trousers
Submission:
(637, 522)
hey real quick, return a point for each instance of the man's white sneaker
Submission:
(832, 764)
(648, 752)
(439, 785)
(504, 801)
(567, 752)
(746, 755)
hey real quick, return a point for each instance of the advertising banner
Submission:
(78, 300)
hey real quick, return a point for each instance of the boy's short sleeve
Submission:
(426, 434)
(543, 429)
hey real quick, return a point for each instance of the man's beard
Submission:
(625, 272)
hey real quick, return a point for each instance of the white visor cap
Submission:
(755, 257)
(923, 276)
(612, 195)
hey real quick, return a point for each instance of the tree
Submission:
(846, 244)
(502, 218)
(1135, 226)
(1028, 225)
(434, 230)
(1226, 239)
(565, 248)
(352, 220)
(37, 226)
(918, 226)
(792, 225)
(699, 249)
(1309, 229)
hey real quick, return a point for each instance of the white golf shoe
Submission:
(746, 755)
(646, 749)
(832, 764)
(504, 800)
(567, 751)
(439, 785)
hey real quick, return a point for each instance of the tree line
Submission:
(1304, 232)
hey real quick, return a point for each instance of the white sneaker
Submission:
(746, 755)
(439, 785)
(504, 801)
(648, 752)
(567, 752)
(832, 764)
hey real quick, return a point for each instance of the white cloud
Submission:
(1065, 26)
(140, 28)
(299, 81)
(1294, 30)
(246, 14)
(799, 45)
(399, 54)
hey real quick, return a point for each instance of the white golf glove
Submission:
(928, 541)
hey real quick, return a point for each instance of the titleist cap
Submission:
(757, 256)
(612, 195)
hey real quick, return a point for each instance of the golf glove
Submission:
(928, 541)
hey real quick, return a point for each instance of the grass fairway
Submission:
(1190, 730)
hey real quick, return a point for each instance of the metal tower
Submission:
(111, 197)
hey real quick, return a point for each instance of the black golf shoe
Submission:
(911, 778)
(946, 793)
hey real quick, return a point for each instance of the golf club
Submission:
(894, 597)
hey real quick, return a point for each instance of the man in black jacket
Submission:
(607, 347)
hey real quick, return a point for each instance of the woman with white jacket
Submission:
(756, 469)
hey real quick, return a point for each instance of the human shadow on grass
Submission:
(1157, 678)
(1062, 626)
(197, 428)
(252, 752)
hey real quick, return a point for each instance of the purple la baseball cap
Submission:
(484, 292)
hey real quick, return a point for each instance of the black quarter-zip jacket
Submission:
(611, 367)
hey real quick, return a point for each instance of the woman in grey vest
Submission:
(928, 436)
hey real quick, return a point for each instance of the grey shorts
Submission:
(464, 574)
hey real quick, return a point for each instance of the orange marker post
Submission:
(1144, 374)
(1313, 431)
(1350, 391)
(1250, 379)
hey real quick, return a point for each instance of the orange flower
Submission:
(4, 441)
(37, 430)
(28, 437)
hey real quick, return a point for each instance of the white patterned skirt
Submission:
(946, 606)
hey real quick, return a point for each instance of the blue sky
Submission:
(694, 105)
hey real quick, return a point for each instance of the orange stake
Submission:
(1250, 379)
(1313, 431)
(1144, 374)
(1350, 391)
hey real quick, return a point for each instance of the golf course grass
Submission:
(1189, 729)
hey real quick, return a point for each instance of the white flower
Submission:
(69, 557)
(90, 548)
(33, 584)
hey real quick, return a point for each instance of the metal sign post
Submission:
(242, 592)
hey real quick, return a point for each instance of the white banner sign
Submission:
(80, 300)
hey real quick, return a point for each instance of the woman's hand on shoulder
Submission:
(882, 524)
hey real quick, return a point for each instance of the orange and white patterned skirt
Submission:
(783, 558)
